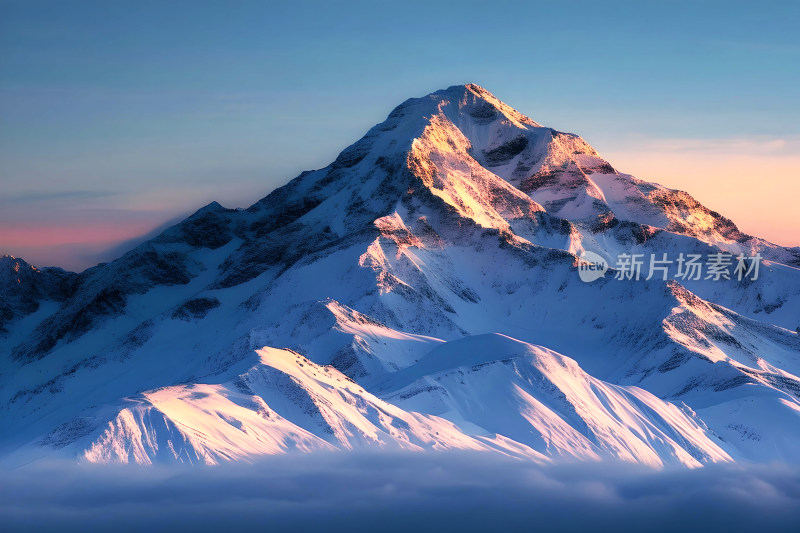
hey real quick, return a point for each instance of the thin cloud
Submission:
(788, 146)
(34, 197)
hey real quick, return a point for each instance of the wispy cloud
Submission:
(780, 48)
(28, 197)
(788, 146)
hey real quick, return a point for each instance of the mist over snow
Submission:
(448, 491)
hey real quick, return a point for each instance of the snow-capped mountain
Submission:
(421, 292)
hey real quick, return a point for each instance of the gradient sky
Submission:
(117, 117)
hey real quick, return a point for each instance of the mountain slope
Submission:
(455, 217)
(542, 399)
(283, 403)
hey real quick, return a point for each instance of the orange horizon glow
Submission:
(78, 234)
(754, 182)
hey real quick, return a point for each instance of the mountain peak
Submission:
(463, 88)
(482, 105)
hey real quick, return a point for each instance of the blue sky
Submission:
(123, 115)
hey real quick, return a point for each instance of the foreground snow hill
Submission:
(420, 292)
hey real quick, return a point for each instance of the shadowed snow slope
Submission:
(377, 302)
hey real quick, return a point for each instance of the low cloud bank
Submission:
(399, 492)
